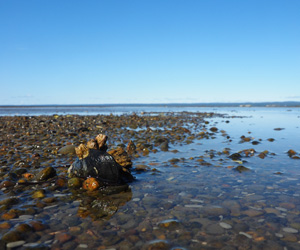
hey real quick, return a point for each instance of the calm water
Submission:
(193, 198)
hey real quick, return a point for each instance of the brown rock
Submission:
(12, 236)
(6, 184)
(131, 148)
(101, 140)
(92, 144)
(82, 151)
(291, 152)
(253, 212)
(121, 157)
(5, 225)
(37, 225)
(63, 237)
(46, 174)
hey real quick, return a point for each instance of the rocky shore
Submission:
(43, 207)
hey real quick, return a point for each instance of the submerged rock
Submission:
(45, 174)
(241, 169)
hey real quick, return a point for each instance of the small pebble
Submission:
(193, 206)
(225, 225)
(83, 246)
(290, 230)
(15, 244)
(245, 234)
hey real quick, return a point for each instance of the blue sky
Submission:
(149, 51)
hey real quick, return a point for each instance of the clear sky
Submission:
(149, 51)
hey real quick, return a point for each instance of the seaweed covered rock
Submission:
(94, 161)
(121, 157)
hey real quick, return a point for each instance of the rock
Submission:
(63, 237)
(6, 184)
(141, 167)
(278, 129)
(100, 165)
(214, 210)
(121, 157)
(69, 149)
(253, 212)
(37, 225)
(23, 228)
(169, 224)
(38, 194)
(291, 153)
(75, 182)
(235, 156)
(164, 146)
(225, 225)
(101, 141)
(214, 229)
(5, 225)
(290, 238)
(46, 174)
(131, 148)
(241, 169)
(15, 244)
(9, 201)
(213, 129)
(91, 184)
(158, 245)
(290, 230)
(12, 236)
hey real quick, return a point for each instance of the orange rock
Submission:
(90, 184)
(8, 216)
(28, 176)
(5, 225)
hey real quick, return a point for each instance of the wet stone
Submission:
(15, 244)
(75, 182)
(169, 224)
(214, 229)
(45, 174)
(241, 169)
(69, 149)
(225, 225)
(290, 230)
(215, 210)
(158, 245)
(38, 194)
(12, 236)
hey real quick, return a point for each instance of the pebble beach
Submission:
(223, 179)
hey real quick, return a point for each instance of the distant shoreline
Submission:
(216, 104)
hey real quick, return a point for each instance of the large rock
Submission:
(100, 165)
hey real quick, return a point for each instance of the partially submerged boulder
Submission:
(94, 161)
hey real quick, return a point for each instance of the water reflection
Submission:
(102, 203)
